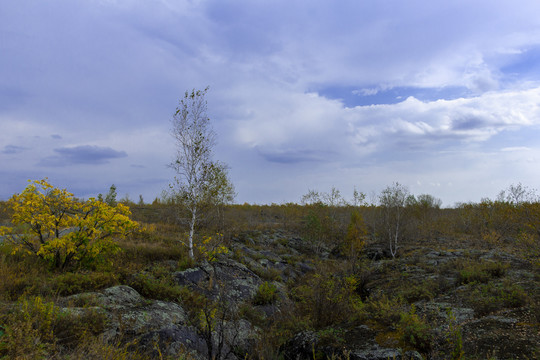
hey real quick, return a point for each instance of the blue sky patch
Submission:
(352, 96)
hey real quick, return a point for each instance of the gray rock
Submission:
(224, 278)
(384, 354)
(173, 341)
(120, 296)
(502, 336)
(300, 347)
(128, 313)
(304, 268)
(193, 276)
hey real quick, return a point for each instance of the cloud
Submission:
(84, 154)
(516, 148)
(291, 84)
(294, 156)
(312, 128)
(444, 123)
(366, 92)
(12, 149)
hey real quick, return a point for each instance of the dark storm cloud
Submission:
(84, 154)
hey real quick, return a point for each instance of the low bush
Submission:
(158, 289)
(488, 298)
(327, 299)
(266, 294)
(252, 314)
(481, 272)
(424, 291)
(74, 283)
(150, 252)
(414, 332)
(36, 329)
(331, 337)
(268, 274)
(383, 311)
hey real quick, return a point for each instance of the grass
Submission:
(492, 297)
(330, 300)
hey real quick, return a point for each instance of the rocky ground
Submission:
(431, 302)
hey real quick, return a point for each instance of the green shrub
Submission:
(482, 272)
(331, 337)
(29, 329)
(158, 289)
(21, 275)
(253, 315)
(36, 329)
(185, 263)
(423, 291)
(266, 294)
(454, 337)
(384, 311)
(327, 299)
(488, 298)
(415, 332)
(269, 274)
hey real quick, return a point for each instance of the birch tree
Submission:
(392, 201)
(200, 182)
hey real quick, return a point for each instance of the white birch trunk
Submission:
(192, 232)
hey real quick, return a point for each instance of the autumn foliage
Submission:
(50, 223)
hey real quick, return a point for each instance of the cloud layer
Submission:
(83, 154)
(441, 96)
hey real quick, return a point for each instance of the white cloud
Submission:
(516, 148)
(109, 74)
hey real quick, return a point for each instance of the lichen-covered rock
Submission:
(300, 347)
(224, 278)
(502, 337)
(360, 344)
(305, 344)
(173, 341)
(384, 354)
(121, 296)
(128, 313)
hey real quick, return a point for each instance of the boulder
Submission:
(131, 317)
(225, 277)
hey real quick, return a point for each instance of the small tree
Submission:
(200, 183)
(355, 238)
(110, 198)
(424, 208)
(393, 200)
(359, 198)
(52, 224)
(321, 225)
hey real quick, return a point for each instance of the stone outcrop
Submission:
(162, 327)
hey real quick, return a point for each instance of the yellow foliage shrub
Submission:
(52, 224)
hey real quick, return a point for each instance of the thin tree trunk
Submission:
(396, 236)
(191, 232)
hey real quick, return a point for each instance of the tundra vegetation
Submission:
(324, 279)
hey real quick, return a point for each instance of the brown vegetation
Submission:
(455, 270)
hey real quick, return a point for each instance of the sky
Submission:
(440, 96)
